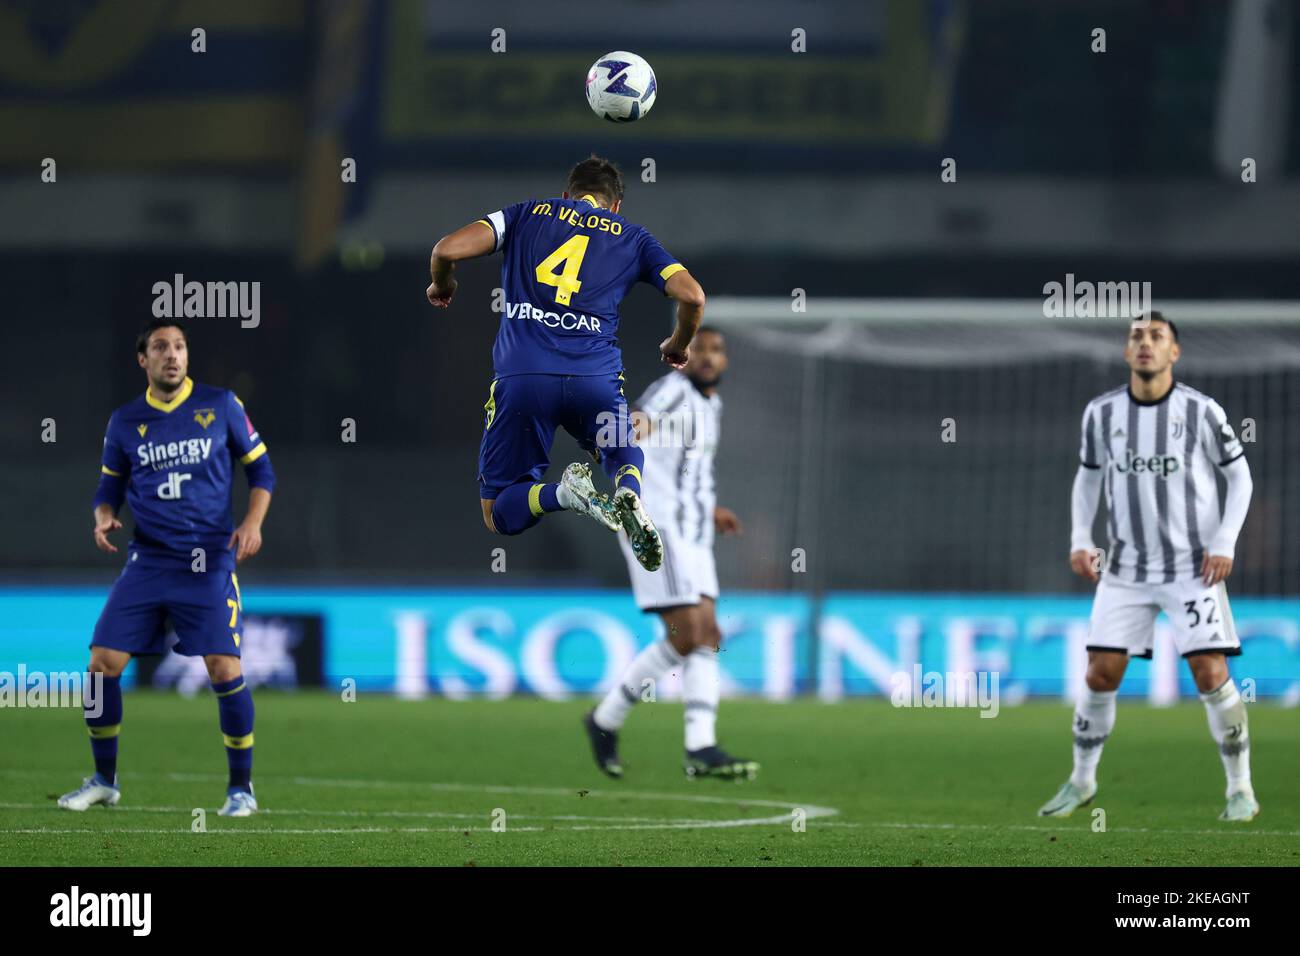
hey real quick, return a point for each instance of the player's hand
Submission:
(103, 525)
(1084, 563)
(1215, 568)
(726, 522)
(248, 537)
(671, 353)
(439, 296)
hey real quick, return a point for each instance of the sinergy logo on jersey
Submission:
(190, 451)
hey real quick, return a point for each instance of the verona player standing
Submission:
(678, 428)
(1156, 446)
(169, 455)
(568, 263)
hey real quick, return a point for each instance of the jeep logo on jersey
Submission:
(1162, 465)
(170, 489)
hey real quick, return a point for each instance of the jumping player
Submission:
(568, 263)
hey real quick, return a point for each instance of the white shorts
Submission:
(688, 574)
(1124, 617)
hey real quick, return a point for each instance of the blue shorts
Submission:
(523, 412)
(204, 609)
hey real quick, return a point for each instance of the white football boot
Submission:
(1242, 808)
(239, 803)
(1068, 799)
(91, 792)
(641, 533)
(585, 499)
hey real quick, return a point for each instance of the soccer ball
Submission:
(621, 87)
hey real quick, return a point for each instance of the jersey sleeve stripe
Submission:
(255, 454)
(1090, 443)
(671, 270)
(497, 222)
(109, 471)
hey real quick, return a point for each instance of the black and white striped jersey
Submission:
(677, 482)
(1158, 462)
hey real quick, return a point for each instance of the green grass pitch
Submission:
(389, 782)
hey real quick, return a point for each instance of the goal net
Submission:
(930, 444)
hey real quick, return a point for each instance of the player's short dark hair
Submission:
(152, 326)
(710, 328)
(1158, 316)
(598, 176)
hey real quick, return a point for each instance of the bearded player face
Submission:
(708, 359)
(165, 359)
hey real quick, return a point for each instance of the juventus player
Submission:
(1155, 446)
(678, 429)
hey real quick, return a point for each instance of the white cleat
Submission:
(1242, 808)
(239, 803)
(90, 793)
(641, 533)
(1068, 799)
(576, 482)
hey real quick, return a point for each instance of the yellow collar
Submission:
(184, 393)
(589, 198)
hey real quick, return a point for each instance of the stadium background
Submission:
(773, 171)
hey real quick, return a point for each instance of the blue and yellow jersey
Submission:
(172, 462)
(568, 264)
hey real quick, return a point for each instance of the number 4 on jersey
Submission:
(566, 281)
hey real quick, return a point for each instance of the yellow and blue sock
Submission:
(235, 711)
(623, 465)
(521, 506)
(105, 728)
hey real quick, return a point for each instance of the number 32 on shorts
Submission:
(1204, 611)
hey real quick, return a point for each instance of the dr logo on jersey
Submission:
(171, 488)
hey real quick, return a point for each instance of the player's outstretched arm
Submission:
(468, 242)
(676, 349)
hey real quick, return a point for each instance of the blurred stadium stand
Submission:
(224, 166)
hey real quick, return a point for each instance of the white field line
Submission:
(1226, 830)
(264, 831)
(614, 822)
(416, 814)
(617, 822)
